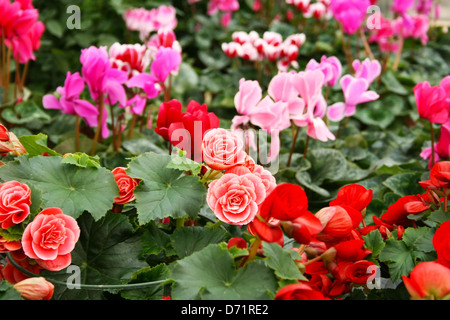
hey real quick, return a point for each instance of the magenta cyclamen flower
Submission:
(432, 103)
(70, 102)
(350, 13)
(441, 148)
(402, 6)
(167, 61)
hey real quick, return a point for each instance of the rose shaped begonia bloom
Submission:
(50, 239)
(428, 280)
(360, 271)
(15, 201)
(35, 288)
(235, 199)
(126, 186)
(299, 291)
(222, 149)
(441, 243)
(169, 112)
(266, 176)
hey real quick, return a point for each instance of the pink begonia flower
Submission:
(441, 148)
(355, 92)
(350, 13)
(402, 6)
(222, 149)
(309, 85)
(432, 102)
(50, 239)
(167, 60)
(70, 102)
(368, 69)
(331, 67)
(235, 199)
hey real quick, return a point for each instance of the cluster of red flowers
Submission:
(185, 130)
(332, 247)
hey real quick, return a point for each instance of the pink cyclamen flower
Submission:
(350, 13)
(235, 199)
(70, 101)
(432, 102)
(441, 148)
(331, 67)
(50, 239)
(222, 149)
(367, 69)
(402, 6)
(167, 61)
(309, 85)
(355, 92)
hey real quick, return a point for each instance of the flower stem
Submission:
(77, 133)
(305, 152)
(133, 124)
(253, 251)
(399, 53)
(296, 131)
(432, 144)
(366, 44)
(99, 124)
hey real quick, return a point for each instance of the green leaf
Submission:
(81, 159)
(71, 188)
(7, 291)
(181, 162)
(374, 242)
(148, 274)
(154, 240)
(107, 253)
(25, 112)
(398, 257)
(37, 145)
(327, 164)
(188, 240)
(282, 262)
(404, 184)
(164, 192)
(55, 28)
(392, 84)
(420, 239)
(210, 274)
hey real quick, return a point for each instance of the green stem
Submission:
(294, 141)
(253, 251)
(432, 144)
(77, 133)
(88, 286)
(99, 125)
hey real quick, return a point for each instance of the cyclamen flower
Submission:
(131, 58)
(350, 13)
(331, 67)
(441, 148)
(167, 61)
(70, 101)
(432, 102)
(402, 6)
(147, 21)
(355, 92)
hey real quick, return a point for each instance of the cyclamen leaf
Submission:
(164, 192)
(209, 274)
(71, 188)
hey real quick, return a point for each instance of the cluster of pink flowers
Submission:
(270, 47)
(319, 9)
(21, 29)
(298, 97)
(147, 21)
(236, 196)
(433, 104)
(119, 76)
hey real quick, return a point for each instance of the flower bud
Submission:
(36, 288)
